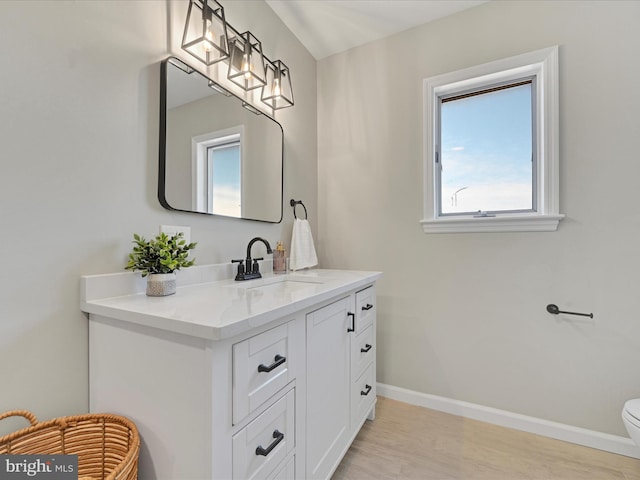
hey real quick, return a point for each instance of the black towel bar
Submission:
(551, 308)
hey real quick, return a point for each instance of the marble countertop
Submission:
(217, 309)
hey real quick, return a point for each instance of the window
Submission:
(491, 147)
(485, 161)
(217, 172)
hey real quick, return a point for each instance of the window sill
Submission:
(502, 223)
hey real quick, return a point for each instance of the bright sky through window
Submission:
(225, 179)
(486, 152)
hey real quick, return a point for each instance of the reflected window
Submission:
(224, 178)
(218, 172)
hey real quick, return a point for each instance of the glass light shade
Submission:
(205, 32)
(246, 65)
(277, 93)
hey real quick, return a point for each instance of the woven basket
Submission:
(107, 445)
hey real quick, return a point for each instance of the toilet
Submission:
(631, 419)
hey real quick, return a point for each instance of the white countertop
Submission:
(220, 309)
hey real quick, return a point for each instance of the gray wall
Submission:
(463, 315)
(79, 90)
(460, 315)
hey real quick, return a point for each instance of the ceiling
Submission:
(326, 27)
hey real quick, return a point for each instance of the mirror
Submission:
(217, 157)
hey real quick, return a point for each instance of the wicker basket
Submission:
(107, 445)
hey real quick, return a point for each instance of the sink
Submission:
(284, 286)
(283, 283)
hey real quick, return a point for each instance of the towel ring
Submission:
(293, 203)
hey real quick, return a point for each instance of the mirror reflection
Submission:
(216, 157)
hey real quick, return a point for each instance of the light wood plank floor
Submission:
(406, 442)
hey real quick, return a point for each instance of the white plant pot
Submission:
(161, 284)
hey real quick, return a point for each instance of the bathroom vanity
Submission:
(262, 379)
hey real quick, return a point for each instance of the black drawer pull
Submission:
(368, 306)
(353, 322)
(277, 361)
(366, 348)
(266, 451)
(367, 389)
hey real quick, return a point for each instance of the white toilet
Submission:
(631, 419)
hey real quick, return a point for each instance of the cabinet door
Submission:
(328, 386)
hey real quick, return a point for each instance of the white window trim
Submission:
(544, 65)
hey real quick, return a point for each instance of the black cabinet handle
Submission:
(277, 361)
(266, 451)
(353, 322)
(366, 348)
(368, 306)
(367, 389)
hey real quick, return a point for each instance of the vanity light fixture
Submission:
(277, 93)
(205, 32)
(246, 65)
(208, 37)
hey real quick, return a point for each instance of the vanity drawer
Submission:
(262, 365)
(365, 308)
(264, 443)
(363, 393)
(288, 472)
(363, 351)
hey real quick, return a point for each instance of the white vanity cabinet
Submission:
(363, 358)
(328, 386)
(182, 393)
(259, 381)
(340, 378)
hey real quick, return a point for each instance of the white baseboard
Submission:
(546, 428)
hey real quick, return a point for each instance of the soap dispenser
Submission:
(279, 263)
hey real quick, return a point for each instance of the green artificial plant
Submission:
(163, 254)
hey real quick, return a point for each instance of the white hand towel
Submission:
(303, 253)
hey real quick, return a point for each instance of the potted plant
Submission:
(158, 259)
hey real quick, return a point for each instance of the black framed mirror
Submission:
(218, 155)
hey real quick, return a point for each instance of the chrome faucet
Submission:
(251, 269)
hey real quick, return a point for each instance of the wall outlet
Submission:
(173, 230)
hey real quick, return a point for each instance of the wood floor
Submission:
(409, 442)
